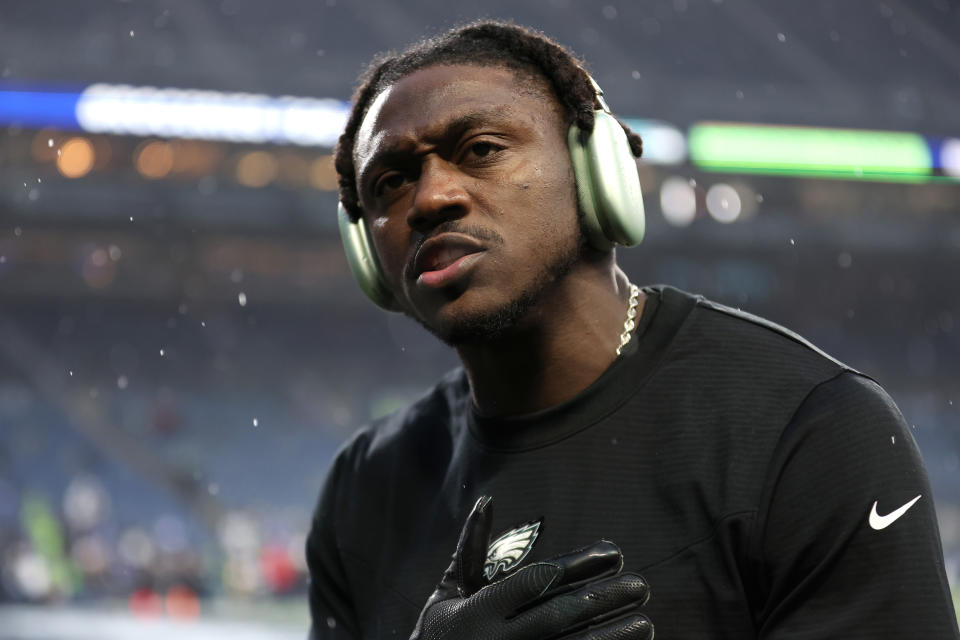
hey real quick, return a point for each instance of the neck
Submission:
(563, 344)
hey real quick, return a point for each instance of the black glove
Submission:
(577, 596)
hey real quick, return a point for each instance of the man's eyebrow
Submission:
(454, 127)
(477, 118)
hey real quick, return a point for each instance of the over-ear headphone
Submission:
(607, 184)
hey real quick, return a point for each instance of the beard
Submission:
(495, 324)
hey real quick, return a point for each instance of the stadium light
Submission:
(950, 157)
(178, 113)
(678, 201)
(663, 143)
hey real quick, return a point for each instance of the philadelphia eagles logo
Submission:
(506, 552)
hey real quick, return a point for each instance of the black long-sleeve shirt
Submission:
(751, 479)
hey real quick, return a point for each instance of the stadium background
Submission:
(182, 348)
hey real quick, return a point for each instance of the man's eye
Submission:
(390, 181)
(481, 149)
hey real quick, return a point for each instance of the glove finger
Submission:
(464, 575)
(588, 564)
(632, 627)
(602, 558)
(526, 585)
(587, 606)
(472, 547)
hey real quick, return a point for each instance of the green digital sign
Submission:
(810, 152)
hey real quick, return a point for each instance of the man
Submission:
(763, 489)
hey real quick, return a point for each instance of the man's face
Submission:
(466, 184)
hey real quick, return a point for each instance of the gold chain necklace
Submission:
(630, 323)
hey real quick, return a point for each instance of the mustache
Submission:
(457, 226)
(487, 236)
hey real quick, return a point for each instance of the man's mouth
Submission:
(443, 258)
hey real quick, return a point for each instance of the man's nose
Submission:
(440, 195)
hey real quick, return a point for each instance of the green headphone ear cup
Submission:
(578, 141)
(363, 260)
(607, 183)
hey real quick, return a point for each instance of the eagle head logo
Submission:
(505, 553)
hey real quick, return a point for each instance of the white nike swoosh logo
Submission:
(882, 522)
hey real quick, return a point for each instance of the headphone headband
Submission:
(598, 92)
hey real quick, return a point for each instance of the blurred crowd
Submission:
(79, 544)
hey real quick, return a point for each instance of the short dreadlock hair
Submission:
(485, 44)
